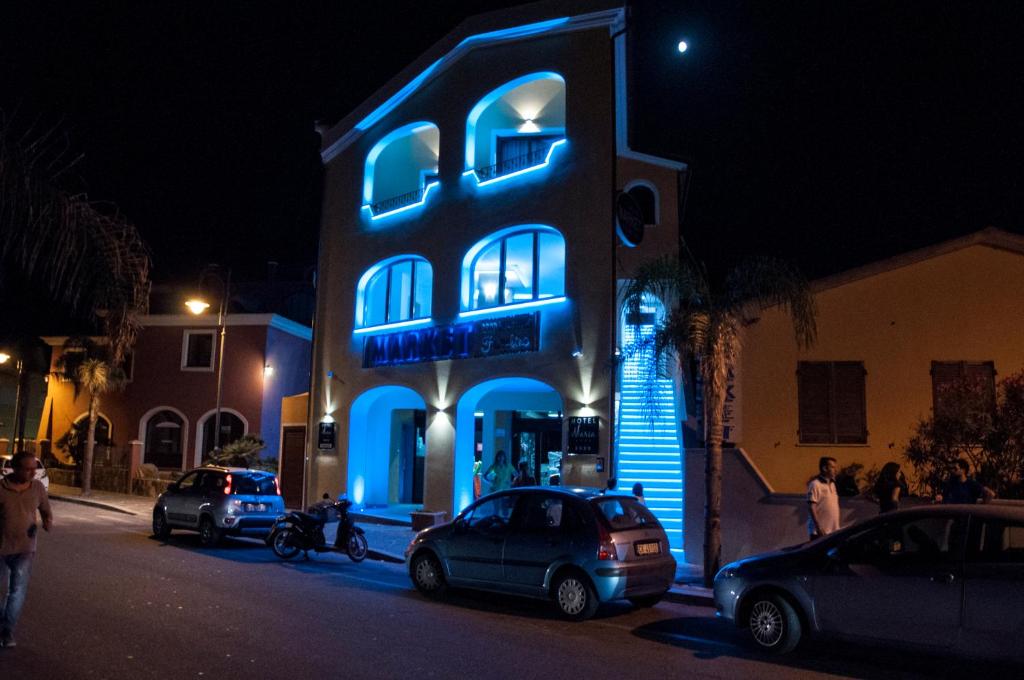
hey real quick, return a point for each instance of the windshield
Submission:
(246, 485)
(623, 513)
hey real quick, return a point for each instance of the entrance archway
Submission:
(387, 447)
(521, 416)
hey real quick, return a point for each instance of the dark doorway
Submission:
(537, 439)
(411, 455)
(293, 459)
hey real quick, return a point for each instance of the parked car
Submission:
(941, 577)
(219, 501)
(41, 475)
(575, 547)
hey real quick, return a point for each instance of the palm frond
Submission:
(766, 282)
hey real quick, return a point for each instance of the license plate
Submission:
(255, 507)
(645, 548)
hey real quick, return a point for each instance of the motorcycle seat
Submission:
(310, 519)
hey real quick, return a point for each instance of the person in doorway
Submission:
(823, 500)
(21, 497)
(890, 487)
(478, 468)
(638, 491)
(501, 474)
(964, 489)
(523, 477)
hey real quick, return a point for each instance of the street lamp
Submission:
(197, 306)
(18, 428)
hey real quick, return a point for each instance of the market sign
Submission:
(476, 339)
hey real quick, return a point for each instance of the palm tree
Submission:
(90, 367)
(704, 323)
(90, 257)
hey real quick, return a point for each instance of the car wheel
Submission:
(209, 534)
(645, 601)
(357, 547)
(774, 624)
(574, 596)
(427, 575)
(282, 545)
(161, 529)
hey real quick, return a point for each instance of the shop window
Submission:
(514, 267)
(394, 291)
(831, 398)
(956, 384)
(197, 350)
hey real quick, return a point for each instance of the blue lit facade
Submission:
(492, 162)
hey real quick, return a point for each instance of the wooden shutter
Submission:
(813, 402)
(849, 402)
(982, 376)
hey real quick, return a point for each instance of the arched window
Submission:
(165, 439)
(515, 266)
(514, 128)
(401, 169)
(231, 428)
(396, 290)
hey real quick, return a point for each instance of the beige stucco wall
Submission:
(964, 305)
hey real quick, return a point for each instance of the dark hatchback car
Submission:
(575, 547)
(944, 578)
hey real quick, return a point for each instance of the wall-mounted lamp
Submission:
(268, 371)
(682, 46)
(577, 353)
(529, 127)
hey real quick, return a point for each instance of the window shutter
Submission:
(945, 375)
(813, 402)
(982, 376)
(849, 399)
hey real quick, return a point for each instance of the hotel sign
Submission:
(476, 339)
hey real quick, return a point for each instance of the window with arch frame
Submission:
(517, 267)
(397, 290)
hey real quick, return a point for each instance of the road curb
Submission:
(384, 556)
(684, 595)
(94, 504)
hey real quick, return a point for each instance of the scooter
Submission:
(304, 531)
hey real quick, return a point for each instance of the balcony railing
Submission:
(395, 202)
(514, 164)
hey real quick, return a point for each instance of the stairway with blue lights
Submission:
(649, 448)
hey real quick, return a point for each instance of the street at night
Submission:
(108, 601)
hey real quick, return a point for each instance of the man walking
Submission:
(21, 497)
(823, 500)
(962, 488)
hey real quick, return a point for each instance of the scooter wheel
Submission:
(357, 547)
(282, 545)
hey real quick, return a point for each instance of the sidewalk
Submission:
(387, 542)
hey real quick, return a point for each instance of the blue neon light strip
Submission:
(392, 326)
(511, 309)
(426, 192)
(517, 173)
(414, 84)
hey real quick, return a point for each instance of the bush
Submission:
(974, 426)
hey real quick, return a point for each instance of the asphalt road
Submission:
(108, 601)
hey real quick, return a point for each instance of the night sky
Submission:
(831, 133)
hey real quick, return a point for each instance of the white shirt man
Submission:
(823, 500)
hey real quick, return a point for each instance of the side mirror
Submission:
(460, 524)
(173, 486)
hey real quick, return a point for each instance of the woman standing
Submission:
(500, 474)
(890, 486)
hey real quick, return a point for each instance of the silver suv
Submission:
(219, 501)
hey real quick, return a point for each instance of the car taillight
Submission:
(605, 548)
(227, 487)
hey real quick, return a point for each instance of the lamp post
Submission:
(18, 429)
(197, 305)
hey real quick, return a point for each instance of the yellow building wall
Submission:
(967, 305)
